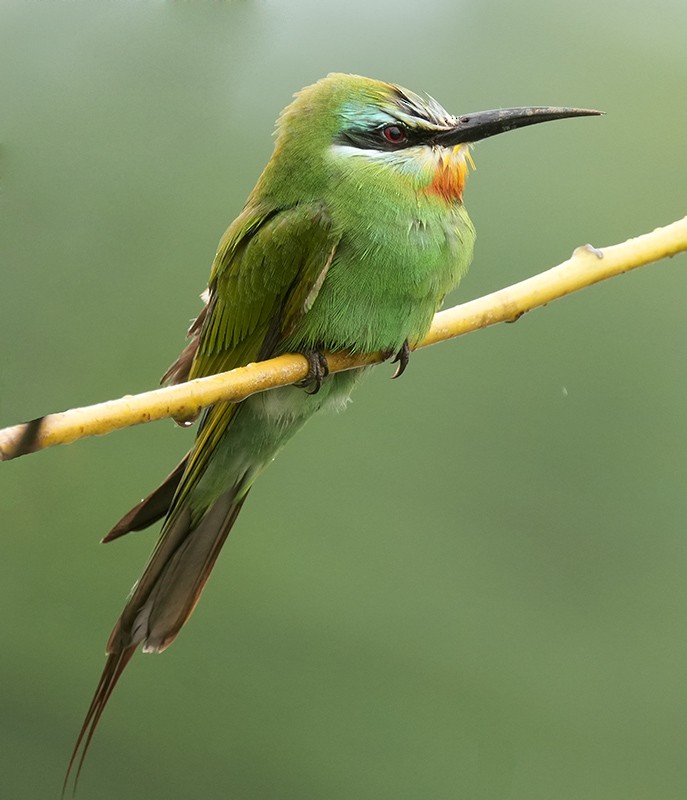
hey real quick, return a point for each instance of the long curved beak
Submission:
(481, 125)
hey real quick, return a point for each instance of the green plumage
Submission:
(348, 252)
(351, 239)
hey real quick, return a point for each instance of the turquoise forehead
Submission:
(402, 106)
(357, 114)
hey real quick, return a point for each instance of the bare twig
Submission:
(586, 266)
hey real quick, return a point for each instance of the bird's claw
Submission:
(318, 369)
(402, 357)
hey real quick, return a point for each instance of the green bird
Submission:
(351, 239)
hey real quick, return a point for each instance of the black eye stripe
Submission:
(389, 136)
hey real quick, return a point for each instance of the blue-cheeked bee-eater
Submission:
(350, 240)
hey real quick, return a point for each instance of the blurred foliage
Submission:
(485, 596)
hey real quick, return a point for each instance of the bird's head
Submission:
(368, 129)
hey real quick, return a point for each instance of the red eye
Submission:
(394, 134)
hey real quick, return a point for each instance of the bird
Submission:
(351, 239)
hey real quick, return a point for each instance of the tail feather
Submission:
(151, 508)
(178, 588)
(162, 600)
(114, 666)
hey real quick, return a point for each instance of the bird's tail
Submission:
(162, 600)
(152, 508)
(114, 666)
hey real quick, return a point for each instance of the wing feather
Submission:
(267, 272)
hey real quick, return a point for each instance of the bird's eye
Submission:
(394, 134)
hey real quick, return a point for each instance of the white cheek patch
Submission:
(419, 154)
(419, 161)
(348, 151)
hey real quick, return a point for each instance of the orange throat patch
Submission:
(450, 173)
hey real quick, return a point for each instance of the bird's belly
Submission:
(292, 405)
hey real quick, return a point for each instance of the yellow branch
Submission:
(585, 267)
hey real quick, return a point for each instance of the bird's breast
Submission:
(392, 269)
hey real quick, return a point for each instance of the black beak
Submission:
(473, 127)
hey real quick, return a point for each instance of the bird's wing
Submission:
(266, 274)
(268, 269)
(269, 266)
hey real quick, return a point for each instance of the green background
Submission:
(469, 585)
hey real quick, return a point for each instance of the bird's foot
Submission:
(318, 369)
(402, 357)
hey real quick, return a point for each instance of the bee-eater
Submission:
(351, 239)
